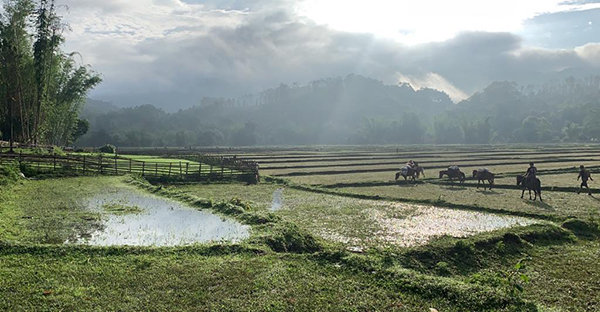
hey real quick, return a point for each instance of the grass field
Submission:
(330, 231)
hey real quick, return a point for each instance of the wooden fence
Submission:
(190, 167)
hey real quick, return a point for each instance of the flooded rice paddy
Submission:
(157, 222)
(426, 223)
(359, 223)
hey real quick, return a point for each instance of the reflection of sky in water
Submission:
(163, 223)
(430, 222)
(277, 200)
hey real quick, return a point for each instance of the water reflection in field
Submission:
(428, 222)
(161, 222)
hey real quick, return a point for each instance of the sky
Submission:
(171, 53)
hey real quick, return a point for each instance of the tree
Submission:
(41, 87)
(447, 132)
(81, 128)
(534, 130)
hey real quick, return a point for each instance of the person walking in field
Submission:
(584, 175)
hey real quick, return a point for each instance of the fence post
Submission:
(84, 164)
(130, 160)
(143, 168)
(116, 166)
(187, 167)
(222, 169)
(170, 166)
(180, 170)
(100, 164)
(199, 170)
(54, 161)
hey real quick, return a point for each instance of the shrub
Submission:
(9, 173)
(108, 149)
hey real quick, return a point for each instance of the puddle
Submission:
(161, 222)
(277, 200)
(427, 223)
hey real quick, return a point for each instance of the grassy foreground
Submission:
(38, 273)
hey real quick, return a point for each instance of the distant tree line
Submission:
(42, 88)
(360, 110)
(504, 112)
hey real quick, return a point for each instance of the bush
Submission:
(108, 149)
(9, 173)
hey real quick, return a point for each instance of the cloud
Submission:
(563, 29)
(590, 53)
(171, 52)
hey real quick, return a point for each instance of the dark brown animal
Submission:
(412, 173)
(530, 184)
(482, 176)
(453, 174)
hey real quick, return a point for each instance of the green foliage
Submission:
(512, 281)
(288, 237)
(442, 268)
(535, 130)
(380, 131)
(108, 149)
(81, 128)
(9, 173)
(41, 87)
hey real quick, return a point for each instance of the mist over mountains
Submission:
(360, 110)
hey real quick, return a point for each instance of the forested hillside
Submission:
(360, 110)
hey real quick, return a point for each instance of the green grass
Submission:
(183, 280)
(283, 267)
(121, 209)
(556, 204)
(49, 211)
(566, 276)
(40, 277)
(260, 195)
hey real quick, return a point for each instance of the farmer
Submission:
(584, 175)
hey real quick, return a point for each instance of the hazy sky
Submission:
(173, 52)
